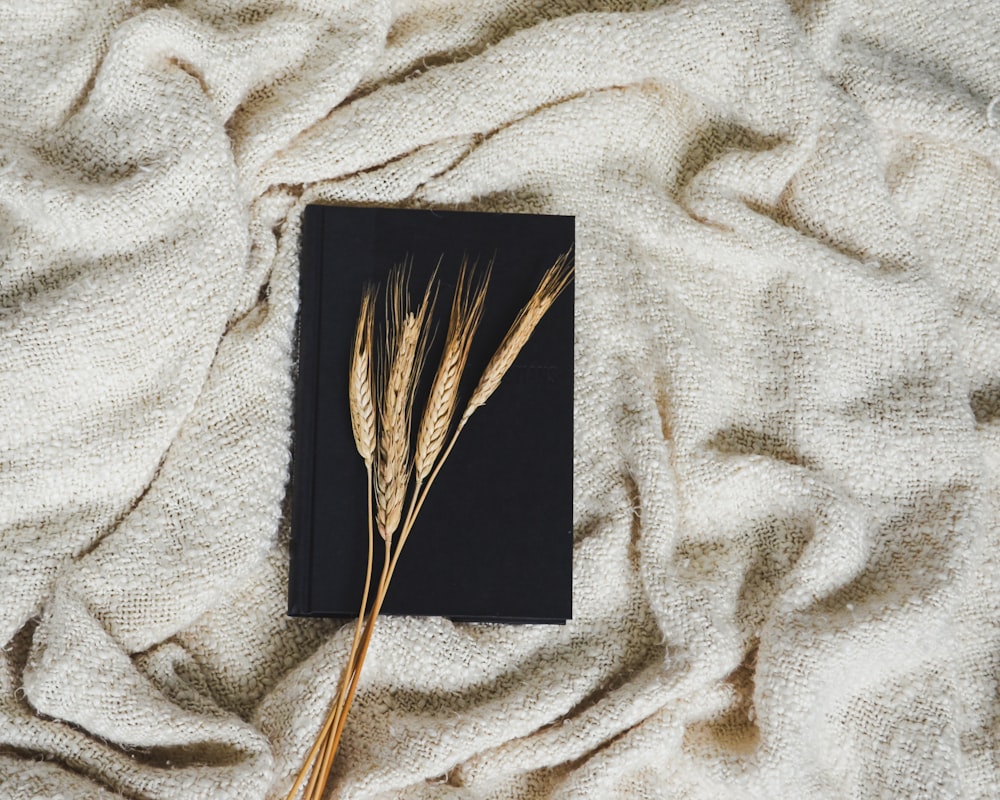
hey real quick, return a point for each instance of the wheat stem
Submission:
(307, 764)
(360, 393)
(366, 641)
(330, 736)
(322, 747)
(351, 668)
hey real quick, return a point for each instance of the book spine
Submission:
(303, 462)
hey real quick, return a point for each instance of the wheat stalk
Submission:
(381, 412)
(406, 340)
(360, 389)
(439, 410)
(361, 392)
(556, 278)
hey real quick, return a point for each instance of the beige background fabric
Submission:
(787, 418)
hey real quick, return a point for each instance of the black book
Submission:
(493, 541)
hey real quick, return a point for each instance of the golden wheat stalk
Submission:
(387, 409)
(361, 393)
(360, 385)
(406, 340)
(555, 279)
(363, 422)
(439, 410)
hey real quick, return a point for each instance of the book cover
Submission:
(493, 541)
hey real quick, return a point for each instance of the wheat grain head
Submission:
(466, 311)
(555, 279)
(406, 346)
(361, 381)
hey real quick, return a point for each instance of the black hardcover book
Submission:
(493, 541)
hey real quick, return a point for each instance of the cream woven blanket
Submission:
(787, 424)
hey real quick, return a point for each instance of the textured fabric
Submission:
(787, 418)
